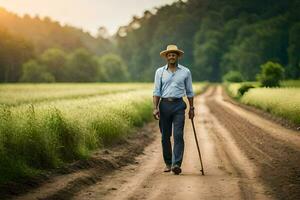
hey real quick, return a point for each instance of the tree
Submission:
(271, 74)
(14, 51)
(55, 61)
(207, 54)
(103, 32)
(81, 66)
(111, 68)
(32, 71)
(257, 43)
(293, 69)
(233, 76)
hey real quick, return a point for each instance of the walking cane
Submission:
(202, 170)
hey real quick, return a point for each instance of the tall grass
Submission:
(232, 89)
(16, 94)
(290, 83)
(283, 102)
(199, 87)
(47, 134)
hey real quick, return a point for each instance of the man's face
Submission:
(172, 57)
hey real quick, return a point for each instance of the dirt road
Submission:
(245, 157)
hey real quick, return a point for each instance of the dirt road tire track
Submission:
(228, 173)
(277, 161)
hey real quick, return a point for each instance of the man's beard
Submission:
(173, 62)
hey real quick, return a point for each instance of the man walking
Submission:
(171, 83)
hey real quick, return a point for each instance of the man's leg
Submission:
(165, 125)
(178, 121)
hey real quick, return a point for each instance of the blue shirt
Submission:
(173, 84)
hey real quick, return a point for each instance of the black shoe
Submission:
(176, 169)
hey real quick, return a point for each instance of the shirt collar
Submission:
(178, 66)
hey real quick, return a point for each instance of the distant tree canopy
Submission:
(233, 76)
(14, 51)
(55, 61)
(77, 66)
(35, 72)
(217, 36)
(49, 44)
(81, 66)
(45, 33)
(112, 68)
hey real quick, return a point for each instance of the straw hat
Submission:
(171, 48)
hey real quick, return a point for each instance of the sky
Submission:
(86, 14)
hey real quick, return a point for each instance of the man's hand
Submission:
(191, 113)
(156, 114)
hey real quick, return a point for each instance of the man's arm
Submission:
(192, 109)
(155, 107)
(191, 102)
(156, 95)
(155, 102)
(190, 95)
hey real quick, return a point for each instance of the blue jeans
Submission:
(172, 113)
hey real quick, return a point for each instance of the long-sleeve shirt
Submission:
(176, 84)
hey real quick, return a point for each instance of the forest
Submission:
(217, 37)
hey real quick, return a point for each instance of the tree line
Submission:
(41, 50)
(19, 63)
(218, 37)
(55, 65)
(46, 33)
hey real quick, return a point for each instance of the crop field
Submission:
(16, 94)
(291, 83)
(43, 126)
(283, 101)
(232, 88)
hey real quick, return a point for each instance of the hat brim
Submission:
(164, 53)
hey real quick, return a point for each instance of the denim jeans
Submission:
(172, 115)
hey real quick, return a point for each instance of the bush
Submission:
(271, 74)
(244, 88)
(233, 76)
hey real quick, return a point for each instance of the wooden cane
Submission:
(202, 170)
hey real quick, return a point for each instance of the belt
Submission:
(170, 99)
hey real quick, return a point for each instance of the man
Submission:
(171, 83)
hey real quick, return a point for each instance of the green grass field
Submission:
(291, 83)
(16, 94)
(283, 102)
(232, 88)
(43, 126)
